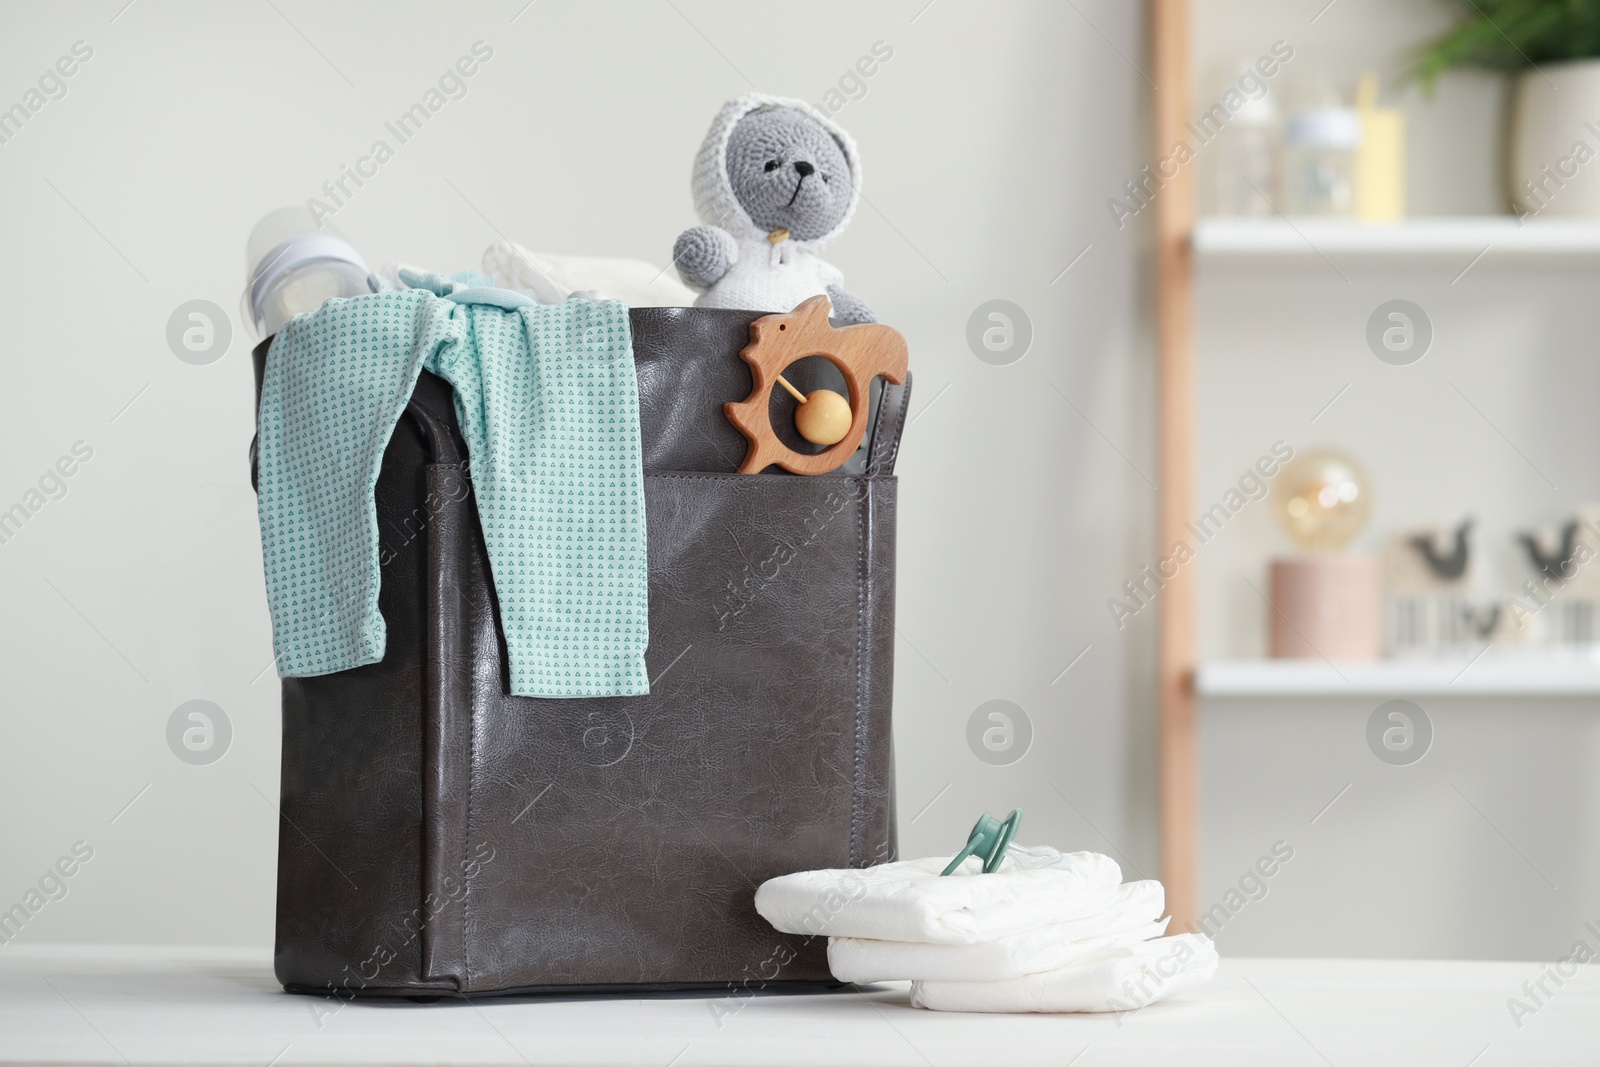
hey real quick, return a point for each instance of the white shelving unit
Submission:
(1489, 675)
(1461, 240)
(1492, 236)
(1184, 247)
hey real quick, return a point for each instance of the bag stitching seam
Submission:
(857, 799)
(466, 903)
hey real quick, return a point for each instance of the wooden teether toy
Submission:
(861, 353)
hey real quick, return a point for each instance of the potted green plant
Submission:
(1553, 49)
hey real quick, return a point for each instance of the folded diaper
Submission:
(1132, 915)
(908, 901)
(1046, 932)
(1127, 976)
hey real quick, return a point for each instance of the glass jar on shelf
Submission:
(1245, 175)
(1319, 162)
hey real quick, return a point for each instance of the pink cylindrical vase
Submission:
(1325, 607)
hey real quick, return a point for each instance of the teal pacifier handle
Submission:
(989, 839)
(463, 290)
(505, 299)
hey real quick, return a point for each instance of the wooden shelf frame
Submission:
(1177, 767)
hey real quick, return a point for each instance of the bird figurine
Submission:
(1558, 568)
(1451, 566)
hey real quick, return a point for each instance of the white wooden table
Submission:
(95, 1004)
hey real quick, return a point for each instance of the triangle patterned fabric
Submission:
(548, 402)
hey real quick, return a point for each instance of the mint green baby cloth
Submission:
(548, 402)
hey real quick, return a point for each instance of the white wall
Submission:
(991, 138)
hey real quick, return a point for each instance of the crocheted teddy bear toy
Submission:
(775, 181)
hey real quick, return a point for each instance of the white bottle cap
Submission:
(1325, 127)
(293, 253)
(1257, 111)
(285, 239)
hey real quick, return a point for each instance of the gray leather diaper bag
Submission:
(439, 837)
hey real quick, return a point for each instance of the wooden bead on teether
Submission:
(824, 418)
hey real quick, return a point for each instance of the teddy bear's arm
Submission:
(849, 308)
(703, 254)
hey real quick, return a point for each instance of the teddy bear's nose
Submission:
(804, 169)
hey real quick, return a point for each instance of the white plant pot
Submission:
(1553, 157)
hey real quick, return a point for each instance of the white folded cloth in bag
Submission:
(552, 278)
(1130, 916)
(1128, 976)
(909, 901)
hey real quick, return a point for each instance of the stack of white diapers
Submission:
(1046, 932)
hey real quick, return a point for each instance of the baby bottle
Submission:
(1320, 161)
(293, 265)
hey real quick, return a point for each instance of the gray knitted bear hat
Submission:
(714, 196)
